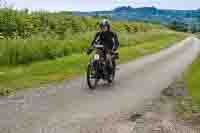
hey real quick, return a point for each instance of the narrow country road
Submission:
(69, 106)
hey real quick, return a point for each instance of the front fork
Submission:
(101, 69)
(95, 65)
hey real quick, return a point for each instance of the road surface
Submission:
(69, 106)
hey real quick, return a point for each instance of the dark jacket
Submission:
(109, 39)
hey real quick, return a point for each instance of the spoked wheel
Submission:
(92, 79)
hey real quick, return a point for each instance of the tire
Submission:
(91, 85)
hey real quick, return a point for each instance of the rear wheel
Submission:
(92, 79)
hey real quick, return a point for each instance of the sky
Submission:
(94, 5)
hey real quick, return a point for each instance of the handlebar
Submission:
(98, 46)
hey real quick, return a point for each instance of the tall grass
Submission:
(20, 51)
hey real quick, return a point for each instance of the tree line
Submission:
(24, 24)
(183, 26)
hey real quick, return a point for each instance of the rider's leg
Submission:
(109, 66)
(109, 60)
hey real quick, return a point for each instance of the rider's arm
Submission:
(115, 42)
(95, 40)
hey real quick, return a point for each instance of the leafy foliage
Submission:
(39, 36)
(23, 24)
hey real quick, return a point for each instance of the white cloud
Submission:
(88, 5)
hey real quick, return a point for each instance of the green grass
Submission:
(13, 78)
(20, 51)
(198, 34)
(192, 77)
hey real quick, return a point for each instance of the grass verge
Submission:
(40, 73)
(198, 34)
(192, 77)
(189, 104)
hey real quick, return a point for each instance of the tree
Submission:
(7, 22)
(179, 26)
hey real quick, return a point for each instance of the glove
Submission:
(89, 51)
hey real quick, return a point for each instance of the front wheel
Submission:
(92, 79)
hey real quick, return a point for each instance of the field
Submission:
(198, 35)
(38, 73)
(192, 77)
(41, 47)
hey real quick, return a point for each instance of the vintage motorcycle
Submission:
(97, 68)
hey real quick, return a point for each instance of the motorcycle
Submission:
(97, 68)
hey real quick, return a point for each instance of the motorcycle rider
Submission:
(110, 41)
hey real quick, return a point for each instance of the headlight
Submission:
(96, 57)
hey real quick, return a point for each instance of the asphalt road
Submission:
(69, 106)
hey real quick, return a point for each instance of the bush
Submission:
(40, 36)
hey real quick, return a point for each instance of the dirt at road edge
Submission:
(159, 116)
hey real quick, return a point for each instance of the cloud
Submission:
(123, 1)
(91, 5)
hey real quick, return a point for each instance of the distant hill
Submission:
(149, 14)
(146, 14)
